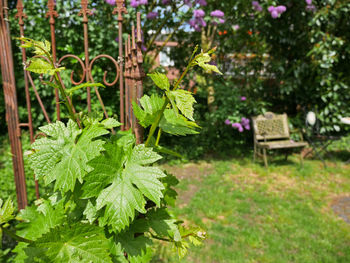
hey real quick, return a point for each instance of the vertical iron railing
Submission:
(130, 87)
(20, 16)
(9, 86)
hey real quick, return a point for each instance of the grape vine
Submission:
(110, 202)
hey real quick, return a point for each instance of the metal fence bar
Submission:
(139, 75)
(121, 9)
(8, 77)
(85, 11)
(51, 14)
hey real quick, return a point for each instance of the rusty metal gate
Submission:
(128, 71)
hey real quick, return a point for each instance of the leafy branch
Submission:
(180, 100)
(44, 64)
(109, 200)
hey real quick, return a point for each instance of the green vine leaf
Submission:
(202, 61)
(44, 46)
(117, 252)
(84, 85)
(74, 243)
(6, 211)
(110, 123)
(163, 224)
(161, 80)
(40, 66)
(184, 102)
(121, 180)
(121, 200)
(90, 212)
(177, 124)
(63, 155)
(151, 106)
(36, 221)
(169, 193)
(138, 248)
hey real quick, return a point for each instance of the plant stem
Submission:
(158, 136)
(182, 76)
(189, 66)
(64, 95)
(59, 84)
(159, 117)
(161, 238)
(156, 122)
(14, 236)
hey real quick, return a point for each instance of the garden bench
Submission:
(271, 132)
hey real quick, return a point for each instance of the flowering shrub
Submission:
(240, 123)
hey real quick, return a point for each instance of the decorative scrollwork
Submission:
(20, 14)
(72, 73)
(51, 12)
(105, 73)
(85, 11)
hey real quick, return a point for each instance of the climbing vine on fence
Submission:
(110, 202)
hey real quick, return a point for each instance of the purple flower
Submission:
(257, 6)
(281, 9)
(228, 122)
(152, 15)
(117, 39)
(243, 98)
(276, 11)
(217, 13)
(235, 27)
(221, 21)
(247, 127)
(308, 2)
(197, 28)
(201, 22)
(110, 2)
(198, 13)
(274, 14)
(166, 2)
(245, 121)
(238, 126)
(271, 8)
(311, 8)
(201, 2)
(134, 3)
(192, 22)
(188, 3)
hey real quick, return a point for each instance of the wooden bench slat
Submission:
(281, 144)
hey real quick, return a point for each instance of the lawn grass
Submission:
(283, 214)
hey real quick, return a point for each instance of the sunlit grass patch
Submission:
(280, 214)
